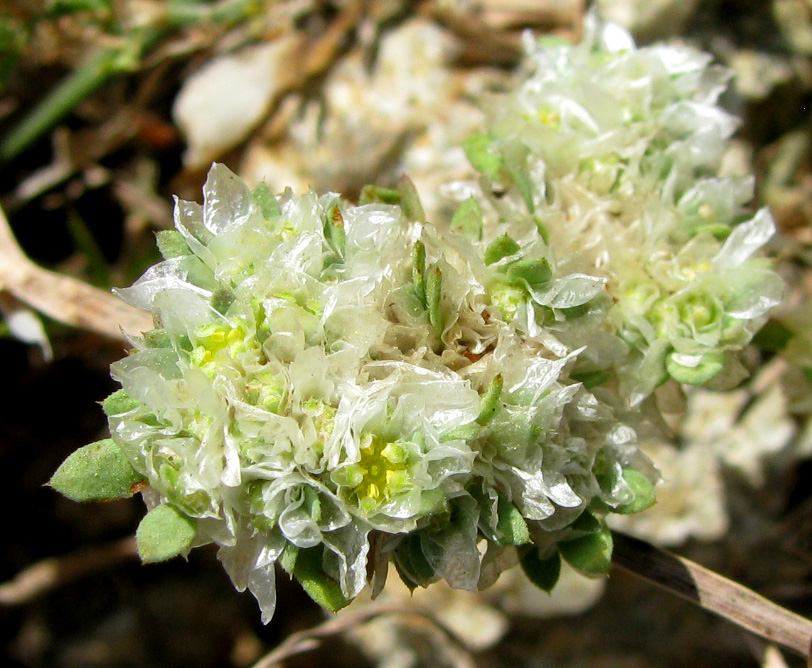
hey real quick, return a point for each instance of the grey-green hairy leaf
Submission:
(119, 403)
(479, 151)
(96, 472)
(434, 292)
(164, 533)
(419, 271)
(171, 244)
(533, 272)
(708, 367)
(510, 525)
(644, 492)
(309, 571)
(467, 219)
(590, 554)
(490, 402)
(501, 247)
(410, 200)
(266, 201)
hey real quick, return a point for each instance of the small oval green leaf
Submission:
(419, 271)
(119, 403)
(590, 554)
(543, 573)
(510, 524)
(309, 571)
(334, 231)
(371, 194)
(533, 272)
(490, 402)
(96, 472)
(266, 201)
(171, 244)
(645, 495)
(591, 379)
(164, 533)
(501, 247)
(467, 219)
(709, 366)
(434, 293)
(478, 149)
(410, 200)
(412, 565)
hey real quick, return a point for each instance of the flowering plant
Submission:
(337, 387)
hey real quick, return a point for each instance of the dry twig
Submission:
(54, 572)
(309, 639)
(715, 593)
(64, 298)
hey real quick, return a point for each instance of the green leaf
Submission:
(500, 247)
(119, 403)
(718, 230)
(334, 230)
(309, 571)
(553, 42)
(590, 554)
(467, 219)
(97, 472)
(709, 367)
(515, 161)
(287, 560)
(155, 338)
(533, 272)
(645, 495)
(543, 573)
(510, 524)
(586, 523)
(411, 563)
(410, 200)
(590, 379)
(774, 336)
(419, 271)
(171, 244)
(479, 151)
(434, 293)
(164, 533)
(371, 194)
(222, 299)
(266, 201)
(67, 7)
(490, 402)
(465, 432)
(544, 233)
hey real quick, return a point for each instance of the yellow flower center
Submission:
(383, 471)
(211, 339)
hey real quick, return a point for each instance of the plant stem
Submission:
(68, 93)
(715, 593)
(86, 78)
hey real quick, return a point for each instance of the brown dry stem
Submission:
(714, 593)
(54, 572)
(64, 298)
(309, 639)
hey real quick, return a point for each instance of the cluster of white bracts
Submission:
(352, 384)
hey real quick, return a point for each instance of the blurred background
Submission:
(110, 107)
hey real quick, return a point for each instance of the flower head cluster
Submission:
(614, 154)
(337, 387)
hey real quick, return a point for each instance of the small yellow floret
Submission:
(384, 470)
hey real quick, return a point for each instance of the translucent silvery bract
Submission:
(338, 388)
